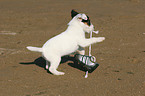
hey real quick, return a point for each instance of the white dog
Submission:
(69, 41)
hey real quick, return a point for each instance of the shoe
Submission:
(87, 62)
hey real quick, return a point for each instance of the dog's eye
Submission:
(80, 18)
(86, 22)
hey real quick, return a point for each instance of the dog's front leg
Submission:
(86, 42)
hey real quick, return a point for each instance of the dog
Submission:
(71, 40)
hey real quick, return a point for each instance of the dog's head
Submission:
(81, 19)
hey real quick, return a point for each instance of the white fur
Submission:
(67, 42)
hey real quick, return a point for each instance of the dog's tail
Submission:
(35, 49)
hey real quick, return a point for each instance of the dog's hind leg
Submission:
(47, 64)
(54, 63)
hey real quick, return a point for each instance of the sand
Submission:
(33, 22)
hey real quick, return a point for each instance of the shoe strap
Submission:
(92, 58)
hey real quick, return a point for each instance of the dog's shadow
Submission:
(41, 62)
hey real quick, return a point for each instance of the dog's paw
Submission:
(97, 39)
(59, 73)
(94, 40)
(100, 39)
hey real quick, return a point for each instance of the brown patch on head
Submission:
(86, 23)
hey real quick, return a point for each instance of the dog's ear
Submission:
(73, 13)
